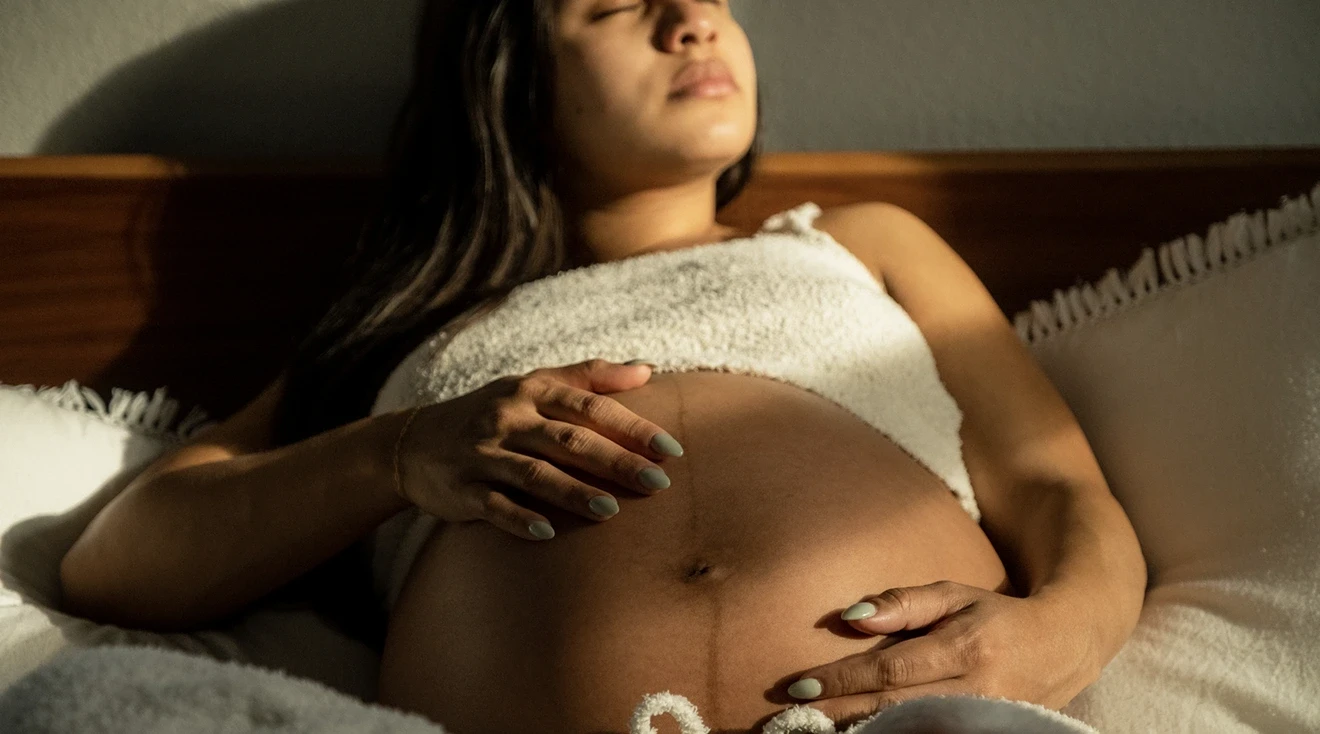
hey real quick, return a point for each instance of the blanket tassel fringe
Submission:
(1181, 262)
(150, 414)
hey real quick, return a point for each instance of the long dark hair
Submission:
(468, 210)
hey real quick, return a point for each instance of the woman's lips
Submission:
(707, 88)
(709, 78)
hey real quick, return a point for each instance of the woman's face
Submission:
(615, 121)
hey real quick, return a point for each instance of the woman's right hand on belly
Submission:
(452, 456)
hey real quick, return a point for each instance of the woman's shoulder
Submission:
(858, 228)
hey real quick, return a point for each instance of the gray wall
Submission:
(322, 77)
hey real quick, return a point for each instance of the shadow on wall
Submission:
(319, 77)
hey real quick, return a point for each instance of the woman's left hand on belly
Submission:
(980, 643)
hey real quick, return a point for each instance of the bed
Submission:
(129, 272)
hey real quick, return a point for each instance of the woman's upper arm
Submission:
(248, 431)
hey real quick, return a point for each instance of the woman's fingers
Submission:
(568, 444)
(545, 481)
(498, 509)
(608, 418)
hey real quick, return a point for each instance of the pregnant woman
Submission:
(835, 417)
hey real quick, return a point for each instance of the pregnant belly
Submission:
(784, 510)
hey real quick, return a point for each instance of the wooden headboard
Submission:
(137, 271)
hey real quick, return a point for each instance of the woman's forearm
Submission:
(1074, 544)
(190, 546)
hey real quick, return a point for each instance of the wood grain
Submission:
(136, 271)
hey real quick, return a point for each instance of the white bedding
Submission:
(134, 690)
(64, 454)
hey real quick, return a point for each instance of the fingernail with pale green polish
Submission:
(653, 478)
(604, 506)
(632, 362)
(805, 688)
(860, 610)
(541, 530)
(665, 444)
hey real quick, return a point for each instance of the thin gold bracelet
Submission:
(398, 477)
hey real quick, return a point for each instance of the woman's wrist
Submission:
(396, 454)
(385, 457)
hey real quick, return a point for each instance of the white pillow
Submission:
(64, 454)
(1200, 395)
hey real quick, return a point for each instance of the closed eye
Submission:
(616, 11)
(635, 6)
